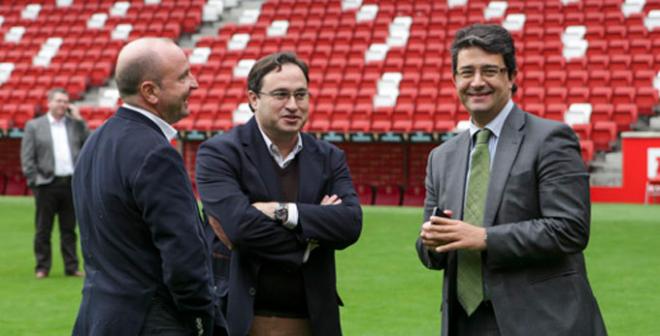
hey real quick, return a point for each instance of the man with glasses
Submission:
(280, 203)
(513, 208)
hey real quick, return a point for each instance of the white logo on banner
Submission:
(653, 160)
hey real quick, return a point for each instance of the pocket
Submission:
(538, 278)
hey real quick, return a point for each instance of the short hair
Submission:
(493, 39)
(53, 91)
(269, 63)
(142, 68)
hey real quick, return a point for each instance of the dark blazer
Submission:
(37, 157)
(537, 219)
(233, 171)
(140, 230)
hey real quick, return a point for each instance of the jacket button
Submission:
(252, 291)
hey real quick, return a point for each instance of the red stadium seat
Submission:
(583, 131)
(414, 196)
(365, 193)
(601, 112)
(624, 116)
(388, 195)
(16, 185)
(602, 134)
(587, 151)
(645, 99)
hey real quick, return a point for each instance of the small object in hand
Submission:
(439, 213)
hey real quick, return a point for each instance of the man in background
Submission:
(49, 149)
(281, 203)
(517, 194)
(147, 261)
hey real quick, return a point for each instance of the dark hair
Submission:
(493, 39)
(270, 63)
(53, 91)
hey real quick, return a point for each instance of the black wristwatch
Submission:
(281, 213)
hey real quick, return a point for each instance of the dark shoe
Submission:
(77, 274)
(41, 274)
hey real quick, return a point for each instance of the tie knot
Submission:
(483, 136)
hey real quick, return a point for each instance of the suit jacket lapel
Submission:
(258, 155)
(310, 164)
(456, 174)
(507, 150)
(44, 126)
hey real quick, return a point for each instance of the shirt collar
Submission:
(53, 121)
(495, 125)
(167, 129)
(273, 149)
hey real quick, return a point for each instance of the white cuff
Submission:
(292, 219)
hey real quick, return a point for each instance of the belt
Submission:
(280, 326)
(62, 178)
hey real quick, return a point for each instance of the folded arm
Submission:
(332, 224)
(248, 228)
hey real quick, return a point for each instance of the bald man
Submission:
(148, 265)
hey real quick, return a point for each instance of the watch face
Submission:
(281, 213)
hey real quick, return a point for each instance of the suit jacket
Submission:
(37, 157)
(233, 171)
(537, 219)
(140, 230)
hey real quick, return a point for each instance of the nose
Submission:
(477, 80)
(291, 103)
(193, 82)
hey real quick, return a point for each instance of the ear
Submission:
(150, 92)
(252, 100)
(513, 77)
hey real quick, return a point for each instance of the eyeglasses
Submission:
(283, 95)
(485, 72)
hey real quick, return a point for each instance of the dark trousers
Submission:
(481, 323)
(51, 199)
(163, 320)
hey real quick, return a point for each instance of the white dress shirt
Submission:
(61, 149)
(167, 129)
(283, 162)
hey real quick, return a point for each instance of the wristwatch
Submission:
(281, 213)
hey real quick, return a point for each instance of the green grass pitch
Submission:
(385, 289)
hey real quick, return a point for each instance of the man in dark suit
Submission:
(49, 150)
(147, 261)
(281, 203)
(517, 195)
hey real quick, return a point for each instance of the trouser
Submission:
(51, 199)
(481, 323)
(163, 320)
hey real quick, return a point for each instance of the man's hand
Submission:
(75, 112)
(331, 200)
(267, 208)
(445, 234)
